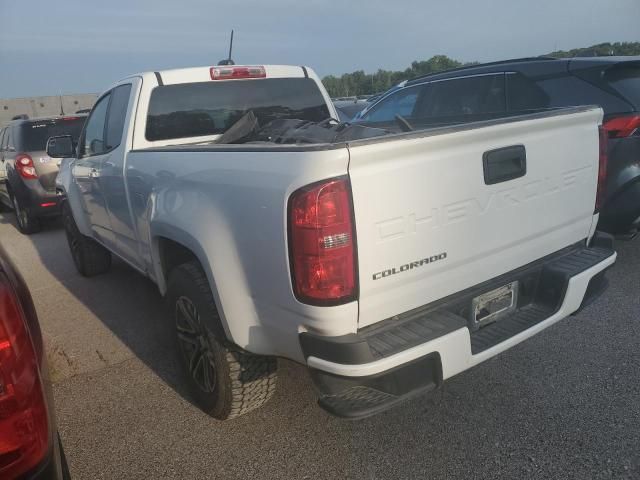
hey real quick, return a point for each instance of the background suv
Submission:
(486, 91)
(27, 181)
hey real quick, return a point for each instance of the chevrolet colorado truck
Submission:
(384, 261)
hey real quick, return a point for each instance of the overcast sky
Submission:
(76, 46)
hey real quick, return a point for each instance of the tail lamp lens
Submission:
(623, 126)
(25, 167)
(322, 243)
(602, 167)
(24, 431)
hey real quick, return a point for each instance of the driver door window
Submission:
(400, 103)
(93, 141)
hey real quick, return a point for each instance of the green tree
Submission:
(600, 50)
(361, 83)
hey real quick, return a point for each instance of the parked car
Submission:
(28, 185)
(385, 265)
(533, 84)
(29, 444)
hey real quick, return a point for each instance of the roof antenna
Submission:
(61, 107)
(228, 61)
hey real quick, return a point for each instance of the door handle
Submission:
(504, 164)
(93, 173)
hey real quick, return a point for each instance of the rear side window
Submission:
(117, 114)
(464, 96)
(569, 90)
(626, 81)
(6, 141)
(34, 135)
(524, 94)
(210, 108)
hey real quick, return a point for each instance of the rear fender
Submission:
(211, 257)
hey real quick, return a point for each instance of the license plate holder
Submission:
(491, 306)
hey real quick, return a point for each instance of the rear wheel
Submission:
(226, 382)
(27, 222)
(89, 256)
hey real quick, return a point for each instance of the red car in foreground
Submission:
(29, 444)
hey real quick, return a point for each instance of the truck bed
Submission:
(225, 195)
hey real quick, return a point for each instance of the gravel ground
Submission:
(565, 404)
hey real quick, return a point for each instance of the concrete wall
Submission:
(43, 106)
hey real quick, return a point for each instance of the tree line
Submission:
(361, 83)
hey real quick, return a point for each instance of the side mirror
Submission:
(97, 146)
(60, 147)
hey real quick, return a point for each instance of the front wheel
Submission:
(226, 382)
(89, 256)
(27, 222)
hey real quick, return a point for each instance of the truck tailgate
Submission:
(436, 212)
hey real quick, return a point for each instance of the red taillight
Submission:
(602, 167)
(234, 73)
(25, 167)
(322, 243)
(48, 204)
(624, 126)
(24, 430)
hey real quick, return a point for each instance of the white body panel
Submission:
(455, 347)
(229, 208)
(422, 197)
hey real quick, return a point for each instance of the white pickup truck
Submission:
(384, 264)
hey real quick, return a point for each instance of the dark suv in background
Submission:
(28, 185)
(486, 91)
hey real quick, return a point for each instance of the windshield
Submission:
(34, 135)
(210, 108)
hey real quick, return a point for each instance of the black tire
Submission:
(89, 256)
(27, 222)
(225, 381)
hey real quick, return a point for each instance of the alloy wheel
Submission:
(195, 344)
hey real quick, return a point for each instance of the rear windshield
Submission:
(34, 135)
(626, 81)
(210, 108)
